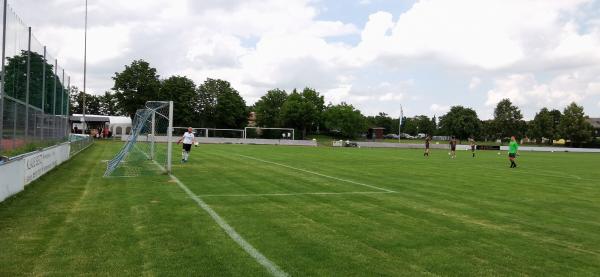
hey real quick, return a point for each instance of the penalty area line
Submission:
(317, 173)
(234, 235)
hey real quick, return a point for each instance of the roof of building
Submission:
(595, 122)
(120, 120)
(89, 118)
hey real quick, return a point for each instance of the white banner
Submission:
(38, 164)
(11, 179)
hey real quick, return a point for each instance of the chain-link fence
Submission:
(34, 94)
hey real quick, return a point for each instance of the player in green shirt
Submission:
(513, 149)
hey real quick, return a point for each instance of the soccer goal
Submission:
(210, 132)
(269, 133)
(198, 132)
(149, 147)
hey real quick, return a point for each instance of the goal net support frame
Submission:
(152, 113)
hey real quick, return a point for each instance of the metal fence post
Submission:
(55, 77)
(68, 130)
(62, 105)
(62, 94)
(2, 74)
(43, 94)
(28, 80)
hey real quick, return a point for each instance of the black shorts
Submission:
(512, 155)
(473, 148)
(452, 148)
(427, 146)
(187, 147)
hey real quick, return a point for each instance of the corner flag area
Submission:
(249, 210)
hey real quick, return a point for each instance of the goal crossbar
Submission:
(268, 128)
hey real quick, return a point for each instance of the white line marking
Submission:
(316, 173)
(294, 194)
(259, 257)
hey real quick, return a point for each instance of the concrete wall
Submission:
(204, 140)
(22, 170)
(554, 149)
(372, 144)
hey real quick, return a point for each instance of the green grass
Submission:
(468, 216)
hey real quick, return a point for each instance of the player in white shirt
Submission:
(188, 139)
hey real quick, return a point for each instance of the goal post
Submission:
(274, 133)
(148, 148)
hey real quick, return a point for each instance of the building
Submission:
(596, 125)
(118, 125)
(375, 133)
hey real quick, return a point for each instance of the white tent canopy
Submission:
(118, 125)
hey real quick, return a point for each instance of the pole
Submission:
(153, 132)
(27, 81)
(400, 124)
(44, 94)
(68, 103)
(84, 65)
(55, 77)
(62, 94)
(170, 138)
(2, 73)
(63, 122)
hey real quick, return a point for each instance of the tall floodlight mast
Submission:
(84, 64)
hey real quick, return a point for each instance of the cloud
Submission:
(474, 83)
(526, 91)
(439, 109)
(538, 52)
(488, 35)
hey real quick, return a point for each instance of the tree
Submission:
(92, 102)
(543, 126)
(409, 126)
(220, 105)
(344, 119)
(384, 121)
(508, 120)
(488, 130)
(303, 110)
(574, 126)
(424, 125)
(42, 82)
(136, 85)
(460, 122)
(313, 98)
(108, 104)
(268, 108)
(182, 91)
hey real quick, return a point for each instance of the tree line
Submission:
(216, 104)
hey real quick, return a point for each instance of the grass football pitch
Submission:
(310, 211)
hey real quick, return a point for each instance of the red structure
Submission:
(375, 133)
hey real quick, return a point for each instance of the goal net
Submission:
(269, 133)
(148, 149)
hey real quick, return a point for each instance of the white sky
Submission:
(426, 55)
